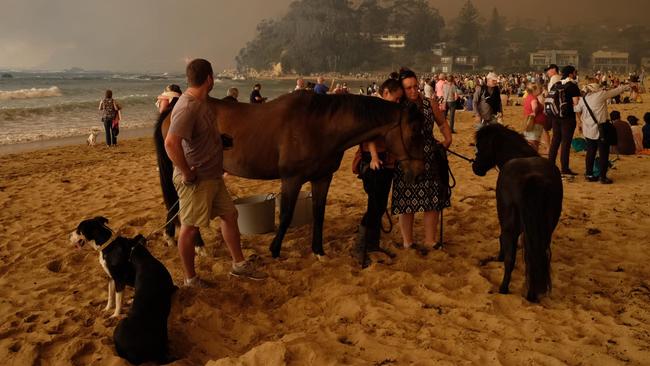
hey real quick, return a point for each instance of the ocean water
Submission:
(42, 106)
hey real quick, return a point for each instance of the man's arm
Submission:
(174, 148)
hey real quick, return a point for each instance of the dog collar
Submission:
(109, 242)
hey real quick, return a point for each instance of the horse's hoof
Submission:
(504, 290)
(532, 298)
(321, 257)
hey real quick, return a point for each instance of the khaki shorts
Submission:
(202, 201)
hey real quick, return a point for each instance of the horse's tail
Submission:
(166, 172)
(538, 229)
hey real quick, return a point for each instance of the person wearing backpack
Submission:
(592, 112)
(487, 101)
(562, 97)
(110, 111)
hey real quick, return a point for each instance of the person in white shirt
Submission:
(429, 92)
(596, 98)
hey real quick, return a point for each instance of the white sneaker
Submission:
(195, 282)
(248, 270)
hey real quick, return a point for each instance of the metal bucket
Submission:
(256, 214)
(302, 214)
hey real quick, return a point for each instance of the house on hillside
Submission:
(618, 62)
(392, 41)
(456, 64)
(542, 58)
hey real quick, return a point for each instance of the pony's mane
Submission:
(371, 110)
(507, 135)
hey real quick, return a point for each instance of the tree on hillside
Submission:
(467, 29)
(373, 18)
(494, 43)
(420, 23)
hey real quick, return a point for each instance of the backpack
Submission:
(555, 104)
(110, 110)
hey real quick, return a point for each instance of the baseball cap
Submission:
(551, 66)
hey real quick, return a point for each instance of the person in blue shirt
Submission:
(320, 87)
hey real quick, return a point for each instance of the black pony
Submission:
(529, 201)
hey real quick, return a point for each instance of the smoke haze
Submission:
(159, 35)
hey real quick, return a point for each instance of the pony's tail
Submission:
(537, 237)
(166, 172)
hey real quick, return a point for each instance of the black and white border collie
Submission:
(142, 335)
(114, 252)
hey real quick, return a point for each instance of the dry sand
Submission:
(437, 310)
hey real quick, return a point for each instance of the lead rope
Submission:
(167, 223)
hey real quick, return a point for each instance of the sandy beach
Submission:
(442, 309)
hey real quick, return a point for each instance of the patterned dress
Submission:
(426, 193)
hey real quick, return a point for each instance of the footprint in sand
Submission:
(15, 347)
(54, 266)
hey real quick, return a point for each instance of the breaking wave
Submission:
(32, 93)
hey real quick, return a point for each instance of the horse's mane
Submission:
(507, 136)
(371, 110)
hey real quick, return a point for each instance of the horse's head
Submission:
(485, 154)
(495, 145)
(407, 142)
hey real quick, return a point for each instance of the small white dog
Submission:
(92, 138)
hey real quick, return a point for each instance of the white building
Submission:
(394, 41)
(543, 58)
(618, 62)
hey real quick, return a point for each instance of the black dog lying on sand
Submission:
(142, 335)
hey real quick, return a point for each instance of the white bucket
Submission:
(302, 214)
(256, 214)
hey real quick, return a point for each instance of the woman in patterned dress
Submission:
(427, 193)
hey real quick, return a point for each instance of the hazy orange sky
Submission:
(157, 35)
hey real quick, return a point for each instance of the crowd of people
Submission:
(553, 106)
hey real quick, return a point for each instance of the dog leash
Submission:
(168, 221)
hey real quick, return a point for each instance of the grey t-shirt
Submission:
(195, 122)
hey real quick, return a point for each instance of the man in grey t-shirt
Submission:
(193, 144)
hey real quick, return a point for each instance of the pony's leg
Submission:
(290, 190)
(319, 191)
(508, 240)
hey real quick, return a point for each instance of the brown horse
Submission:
(301, 137)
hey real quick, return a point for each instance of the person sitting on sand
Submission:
(625, 144)
(233, 94)
(637, 133)
(646, 130)
(164, 100)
